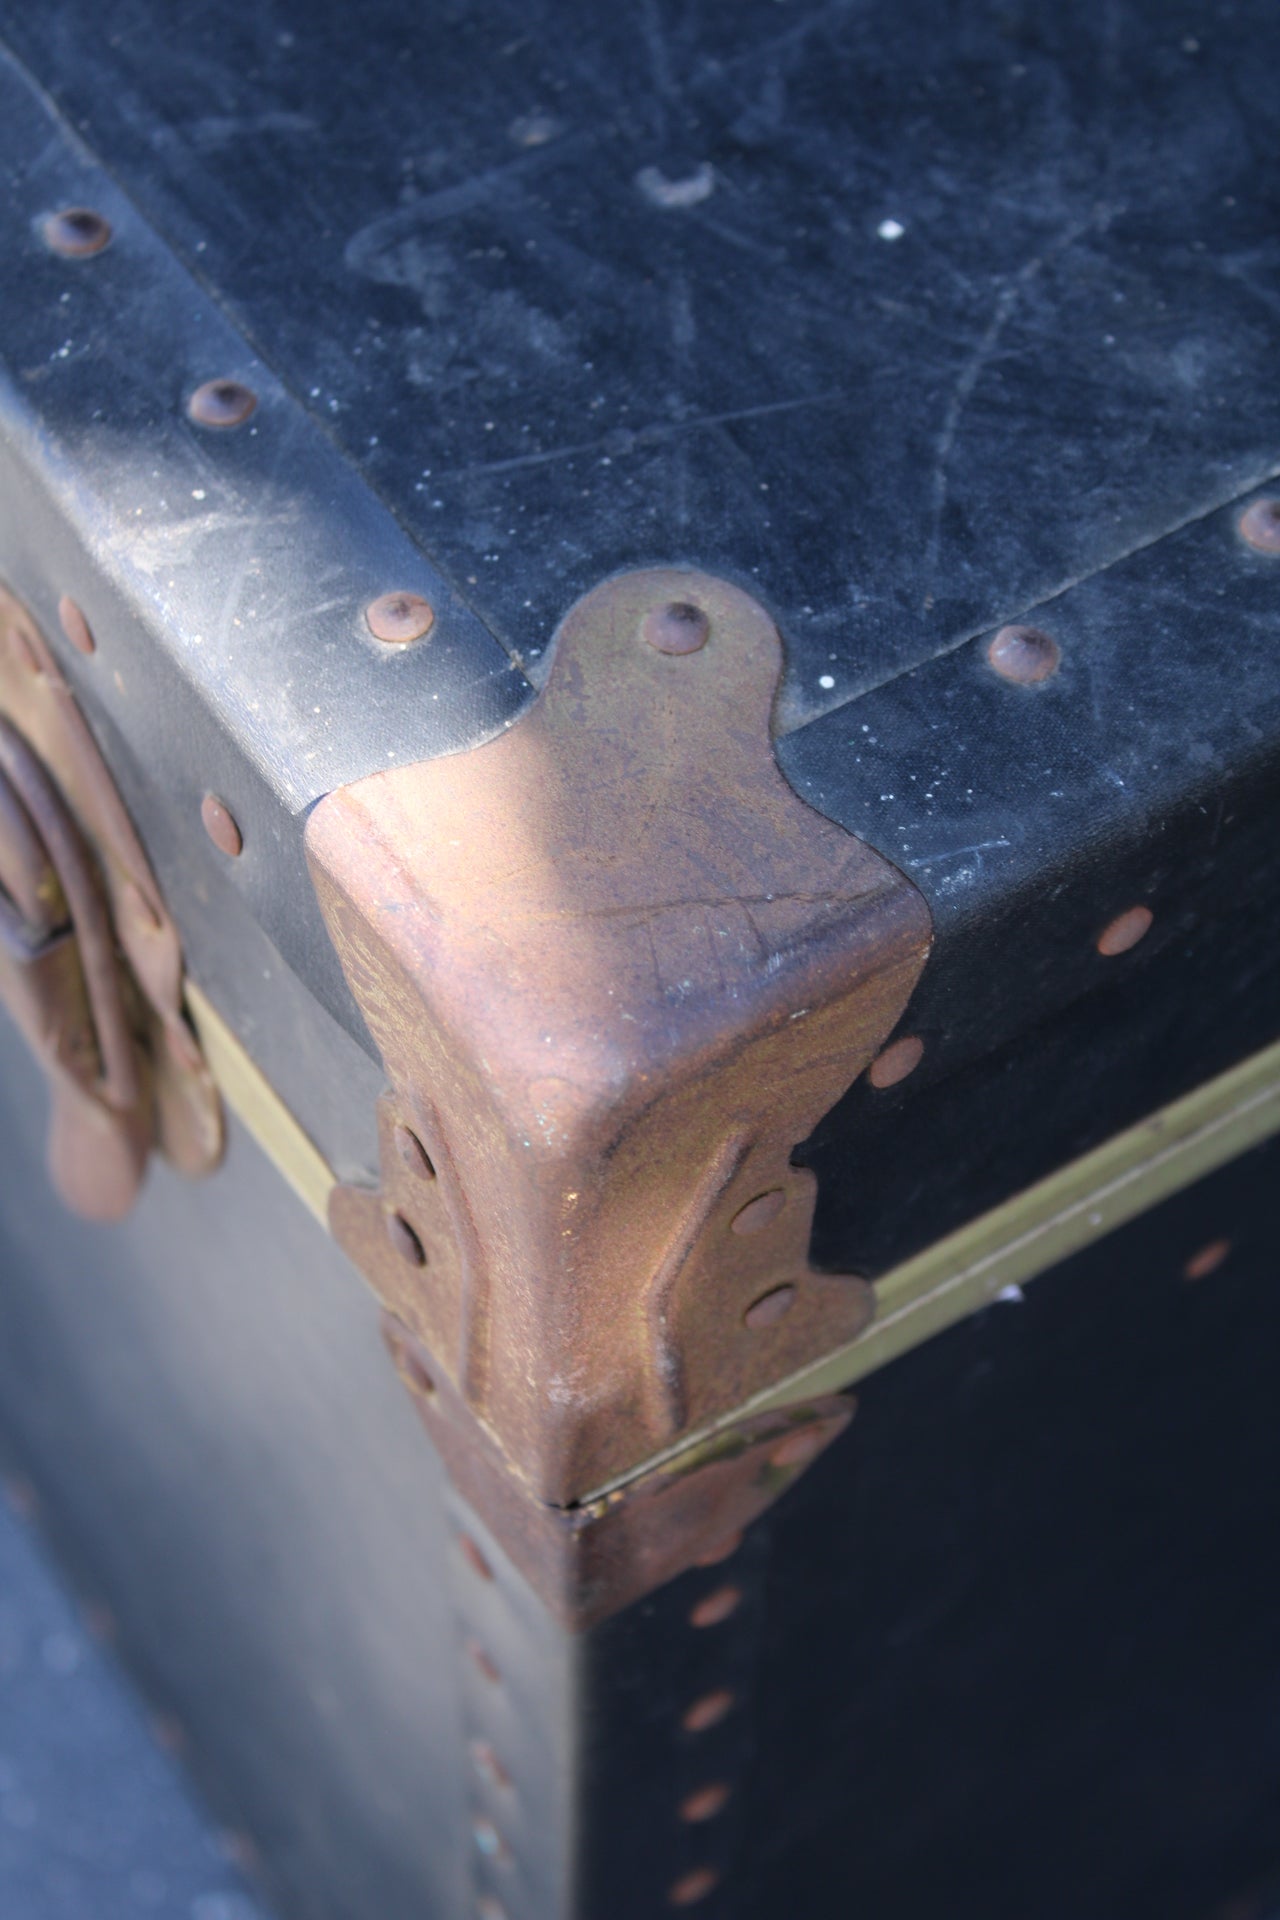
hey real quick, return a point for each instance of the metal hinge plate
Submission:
(90, 961)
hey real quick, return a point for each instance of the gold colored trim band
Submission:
(1035, 1230)
(255, 1102)
(956, 1276)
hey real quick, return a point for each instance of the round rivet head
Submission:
(715, 1607)
(398, 618)
(896, 1062)
(707, 1711)
(1260, 526)
(222, 403)
(490, 1841)
(1124, 931)
(771, 1306)
(482, 1663)
(405, 1240)
(220, 825)
(488, 1765)
(75, 626)
(692, 1887)
(1025, 655)
(676, 628)
(1207, 1261)
(705, 1802)
(473, 1557)
(76, 232)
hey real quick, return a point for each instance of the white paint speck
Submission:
(891, 229)
(197, 493)
(661, 192)
(1014, 1295)
(825, 680)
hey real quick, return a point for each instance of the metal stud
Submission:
(76, 232)
(222, 403)
(399, 618)
(220, 825)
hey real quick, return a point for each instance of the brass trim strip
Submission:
(259, 1107)
(1035, 1230)
(1010, 1246)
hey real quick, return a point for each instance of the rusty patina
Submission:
(616, 970)
(90, 960)
(590, 1560)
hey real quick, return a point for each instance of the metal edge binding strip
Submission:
(1009, 1246)
(1035, 1230)
(255, 1102)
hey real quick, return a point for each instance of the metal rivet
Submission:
(412, 1153)
(706, 1802)
(399, 618)
(405, 1240)
(75, 626)
(708, 1711)
(473, 1557)
(220, 825)
(717, 1606)
(692, 1887)
(483, 1665)
(1124, 931)
(1260, 526)
(677, 628)
(899, 1059)
(798, 1447)
(76, 232)
(487, 1764)
(771, 1306)
(760, 1212)
(1207, 1261)
(722, 1550)
(1025, 655)
(222, 403)
(490, 1841)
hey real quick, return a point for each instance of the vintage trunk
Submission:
(639, 785)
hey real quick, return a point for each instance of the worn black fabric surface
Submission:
(907, 314)
(1017, 1654)
(95, 1821)
(1028, 1617)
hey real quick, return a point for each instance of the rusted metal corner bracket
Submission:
(616, 970)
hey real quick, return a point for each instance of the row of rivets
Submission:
(706, 1801)
(397, 619)
(486, 1762)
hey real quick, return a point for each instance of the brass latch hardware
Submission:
(616, 970)
(90, 962)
